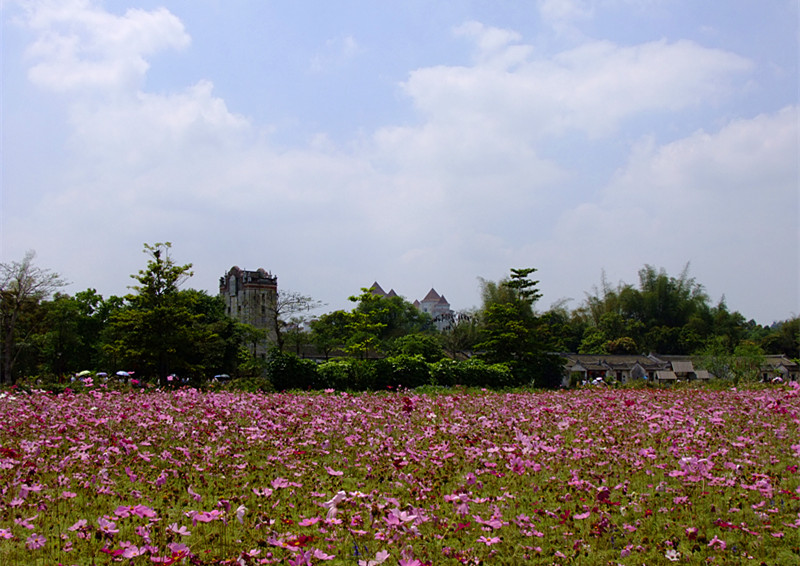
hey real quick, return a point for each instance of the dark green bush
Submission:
(446, 372)
(287, 371)
(408, 371)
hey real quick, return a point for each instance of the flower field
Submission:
(599, 476)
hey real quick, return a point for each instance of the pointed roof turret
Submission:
(432, 296)
(377, 290)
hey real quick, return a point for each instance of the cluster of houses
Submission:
(589, 368)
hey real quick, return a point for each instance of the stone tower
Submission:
(250, 298)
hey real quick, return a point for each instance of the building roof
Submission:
(432, 296)
(702, 374)
(682, 366)
(377, 289)
(666, 375)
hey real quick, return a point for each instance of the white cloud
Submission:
(337, 52)
(82, 46)
(725, 201)
(590, 89)
(470, 190)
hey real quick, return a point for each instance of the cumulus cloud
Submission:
(590, 89)
(82, 46)
(690, 199)
(469, 190)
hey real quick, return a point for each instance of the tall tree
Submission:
(23, 286)
(154, 331)
(513, 334)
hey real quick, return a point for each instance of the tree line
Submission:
(160, 329)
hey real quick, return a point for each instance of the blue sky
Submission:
(414, 143)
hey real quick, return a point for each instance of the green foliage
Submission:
(407, 371)
(594, 341)
(461, 336)
(418, 344)
(287, 371)
(748, 359)
(514, 335)
(161, 330)
(250, 384)
(624, 345)
(23, 286)
(331, 331)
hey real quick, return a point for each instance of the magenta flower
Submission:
(107, 527)
(718, 543)
(35, 541)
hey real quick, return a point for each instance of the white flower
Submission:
(672, 555)
(240, 511)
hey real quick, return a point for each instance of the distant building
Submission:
(434, 304)
(249, 296)
(437, 306)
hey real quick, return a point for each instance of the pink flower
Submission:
(333, 502)
(78, 525)
(717, 543)
(26, 523)
(35, 541)
(178, 530)
(196, 496)
(380, 558)
(106, 526)
(489, 541)
(133, 551)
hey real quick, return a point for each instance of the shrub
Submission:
(445, 372)
(287, 371)
(409, 371)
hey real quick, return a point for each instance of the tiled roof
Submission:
(432, 296)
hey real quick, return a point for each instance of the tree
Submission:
(513, 334)
(461, 335)
(22, 287)
(284, 309)
(154, 330)
(331, 330)
(419, 344)
(392, 315)
(70, 340)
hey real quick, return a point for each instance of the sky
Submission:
(417, 144)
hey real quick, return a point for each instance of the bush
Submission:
(418, 344)
(471, 373)
(445, 372)
(287, 371)
(409, 371)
